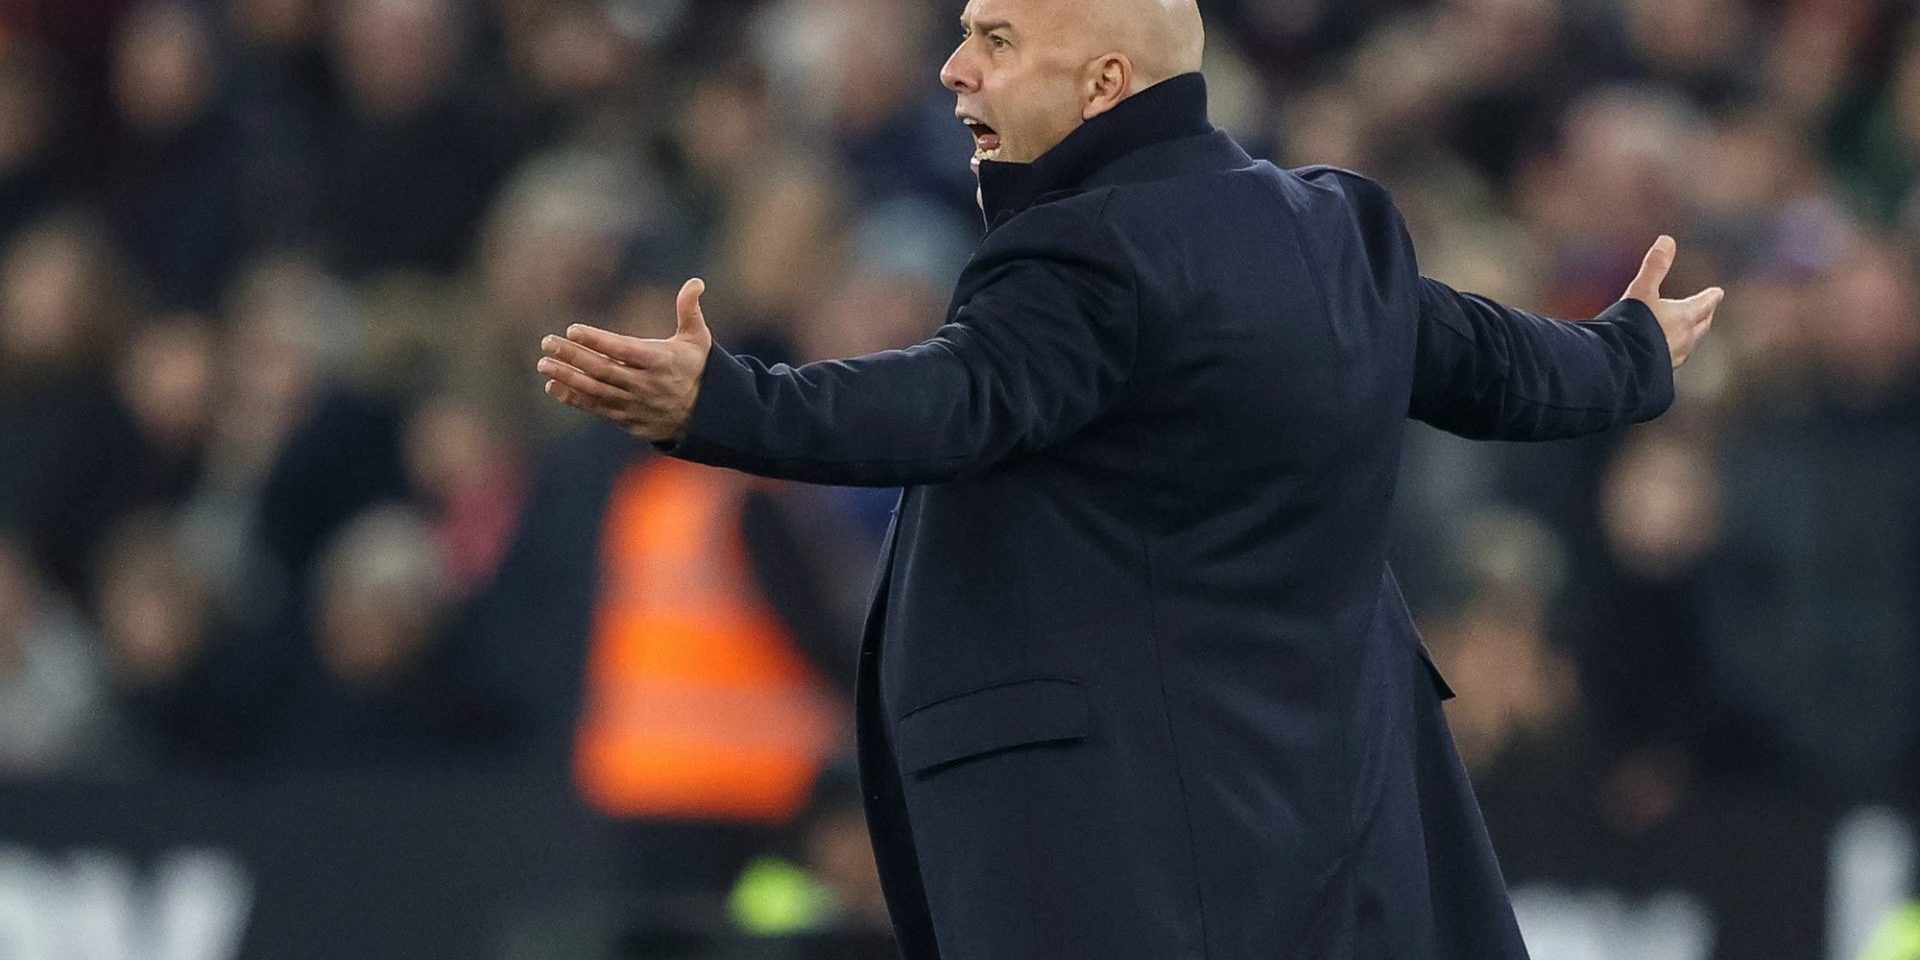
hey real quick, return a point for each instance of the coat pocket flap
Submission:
(995, 718)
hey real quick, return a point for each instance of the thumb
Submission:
(693, 322)
(1653, 270)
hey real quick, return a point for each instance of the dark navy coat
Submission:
(1137, 683)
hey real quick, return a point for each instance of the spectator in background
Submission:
(277, 27)
(1616, 169)
(682, 639)
(553, 250)
(1865, 345)
(1696, 47)
(903, 256)
(336, 437)
(166, 381)
(188, 693)
(717, 677)
(470, 481)
(52, 684)
(1879, 154)
(1659, 704)
(865, 95)
(1814, 615)
(78, 34)
(419, 150)
(385, 678)
(1523, 700)
(64, 304)
(1523, 725)
(1510, 76)
(1645, 662)
(28, 137)
(1751, 165)
(1823, 53)
(285, 99)
(289, 329)
(780, 243)
(180, 169)
(585, 66)
(720, 131)
(343, 457)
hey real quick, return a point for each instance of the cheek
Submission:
(1028, 107)
(1056, 105)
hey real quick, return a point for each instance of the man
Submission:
(1137, 683)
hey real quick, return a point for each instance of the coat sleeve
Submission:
(1040, 347)
(1491, 372)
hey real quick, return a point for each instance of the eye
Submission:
(999, 42)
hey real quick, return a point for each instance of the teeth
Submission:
(981, 132)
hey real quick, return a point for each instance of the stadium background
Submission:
(299, 572)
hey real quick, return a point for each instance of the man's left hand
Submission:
(1683, 321)
(647, 387)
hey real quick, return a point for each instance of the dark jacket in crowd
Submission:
(177, 209)
(1137, 681)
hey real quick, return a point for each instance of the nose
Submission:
(958, 75)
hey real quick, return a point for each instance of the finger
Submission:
(561, 392)
(582, 402)
(1653, 270)
(575, 380)
(579, 401)
(632, 351)
(1715, 298)
(587, 361)
(693, 321)
(1701, 305)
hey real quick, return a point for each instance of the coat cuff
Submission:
(726, 407)
(1654, 360)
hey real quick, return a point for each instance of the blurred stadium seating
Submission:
(302, 580)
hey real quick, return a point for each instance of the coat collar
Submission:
(1171, 110)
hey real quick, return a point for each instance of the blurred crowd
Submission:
(279, 490)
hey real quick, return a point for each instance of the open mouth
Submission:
(986, 142)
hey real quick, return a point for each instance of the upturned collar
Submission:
(1170, 110)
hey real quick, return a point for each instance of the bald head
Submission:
(1163, 38)
(1028, 72)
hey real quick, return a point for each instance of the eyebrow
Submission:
(986, 26)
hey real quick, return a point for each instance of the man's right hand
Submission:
(646, 387)
(1685, 321)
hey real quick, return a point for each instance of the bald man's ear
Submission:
(1109, 81)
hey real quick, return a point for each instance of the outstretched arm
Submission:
(1041, 346)
(1491, 372)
